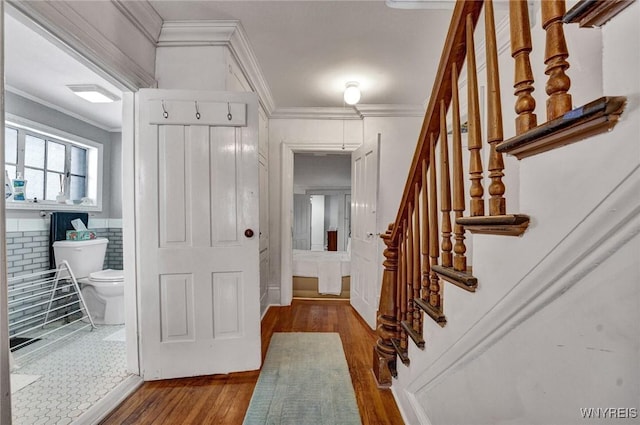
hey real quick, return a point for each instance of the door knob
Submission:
(248, 233)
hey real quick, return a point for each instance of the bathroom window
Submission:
(60, 169)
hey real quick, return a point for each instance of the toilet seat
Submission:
(106, 276)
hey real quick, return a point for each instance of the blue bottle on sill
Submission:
(19, 188)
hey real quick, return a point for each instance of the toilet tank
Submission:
(84, 257)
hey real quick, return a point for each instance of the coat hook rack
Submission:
(197, 111)
(165, 114)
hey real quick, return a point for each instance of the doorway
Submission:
(37, 118)
(287, 207)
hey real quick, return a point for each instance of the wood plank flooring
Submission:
(223, 399)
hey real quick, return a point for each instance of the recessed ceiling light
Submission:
(93, 93)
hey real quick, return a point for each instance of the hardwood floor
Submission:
(223, 399)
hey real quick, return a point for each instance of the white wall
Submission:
(554, 325)
(191, 67)
(321, 172)
(399, 136)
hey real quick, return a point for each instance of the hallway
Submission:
(223, 399)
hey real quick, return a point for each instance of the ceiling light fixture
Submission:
(352, 93)
(93, 93)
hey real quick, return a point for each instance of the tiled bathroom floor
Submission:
(69, 376)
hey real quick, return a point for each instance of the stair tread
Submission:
(415, 336)
(436, 314)
(462, 279)
(403, 354)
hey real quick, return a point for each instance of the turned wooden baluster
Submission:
(426, 269)
(434, 250)
(445, 190)
(555, 57)
(523, 82)
(399, 280)
(387, 323)
(410, 249)
(497, 202)
(459, 248)
(476, 205)
(403, 285)
(417, 315)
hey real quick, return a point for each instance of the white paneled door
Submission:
(364, 240)
(197, 235)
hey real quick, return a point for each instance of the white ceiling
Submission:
(39, 70)
(307, 50)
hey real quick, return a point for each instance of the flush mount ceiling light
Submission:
(352, 93)
(93, 93)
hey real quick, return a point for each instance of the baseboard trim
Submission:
(273, 295)
(264, 313)
(406, 399)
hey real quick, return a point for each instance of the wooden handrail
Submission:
(425, 250)
(453, 52)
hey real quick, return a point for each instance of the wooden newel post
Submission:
(384, 355)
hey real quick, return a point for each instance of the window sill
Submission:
(50, 206)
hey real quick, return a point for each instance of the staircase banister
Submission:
(454, 51)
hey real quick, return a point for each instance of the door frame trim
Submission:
(286, 207)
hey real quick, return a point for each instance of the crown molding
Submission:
(228, 33)
(421, 4)
(317, 113)
(391, 110)
(356, 112)
(61, 24)
(243, 53)
(143, 16)
(197, 33)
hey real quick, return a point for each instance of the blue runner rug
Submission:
(304, 381)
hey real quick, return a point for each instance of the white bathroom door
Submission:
(364, 239)
(197, 235)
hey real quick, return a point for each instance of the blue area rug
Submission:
(304, 381)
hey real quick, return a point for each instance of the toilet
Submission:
(102, 290)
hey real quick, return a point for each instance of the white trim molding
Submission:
(607, 228)
(348, 113)
(381, 110)
(227, 33)
(356, 112)
(63, 25)
(143, 16)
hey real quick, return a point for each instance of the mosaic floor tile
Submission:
(74, 374)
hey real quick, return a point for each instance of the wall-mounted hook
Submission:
(197, 111)
(229, 116)
(164, 113)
